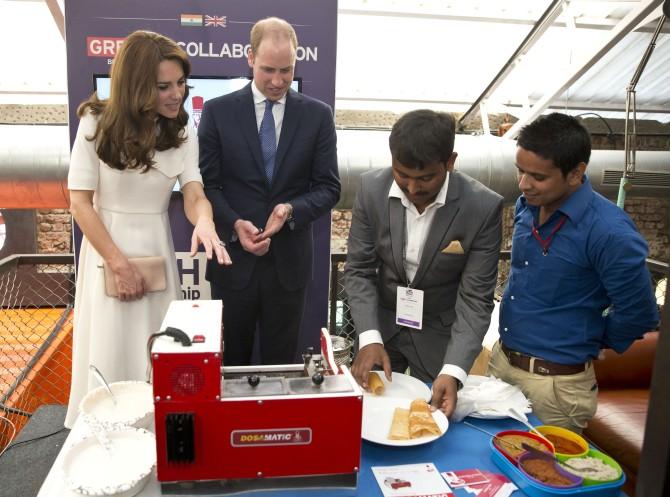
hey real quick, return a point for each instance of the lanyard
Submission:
(546, 242)
(404, 241)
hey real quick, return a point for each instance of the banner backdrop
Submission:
(215, 35)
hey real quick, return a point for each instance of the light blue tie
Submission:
(268, 140)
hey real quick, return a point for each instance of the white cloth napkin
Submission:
(489, 397)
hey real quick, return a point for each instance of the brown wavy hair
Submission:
(129, 129)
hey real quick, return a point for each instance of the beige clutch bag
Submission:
(152, 270)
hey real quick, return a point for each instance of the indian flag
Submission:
(191, 20)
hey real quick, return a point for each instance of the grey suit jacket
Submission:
(458, 297)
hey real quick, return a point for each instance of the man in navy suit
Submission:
(269, 163)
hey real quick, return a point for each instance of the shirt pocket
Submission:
(555, 280)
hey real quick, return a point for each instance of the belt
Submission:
(540, 366)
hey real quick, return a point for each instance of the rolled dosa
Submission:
(375, 384)
(421, 422)
(400, 424)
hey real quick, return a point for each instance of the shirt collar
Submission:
(260, 98)
(396, 192)
(575, 205)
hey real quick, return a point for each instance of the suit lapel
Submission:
(289, 126)
(246, 115)
(441, 222)
(396, 220)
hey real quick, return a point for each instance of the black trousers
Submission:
(264, 305)
(403, 354)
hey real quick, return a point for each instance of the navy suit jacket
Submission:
(305, 175)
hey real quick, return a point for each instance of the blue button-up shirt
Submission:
(591, 290)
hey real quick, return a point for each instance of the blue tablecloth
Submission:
(462, 447)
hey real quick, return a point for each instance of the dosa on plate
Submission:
(400, 425)
(415, 422)
(375, 383)
(421, 422)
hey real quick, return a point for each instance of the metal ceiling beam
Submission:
(581, 23)
(627, 24)
(57, 15)
(543, 23)
(599, 106)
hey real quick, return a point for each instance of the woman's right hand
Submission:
(129, 282)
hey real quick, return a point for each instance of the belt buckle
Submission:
(542, 370)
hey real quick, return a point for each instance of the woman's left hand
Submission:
(204, 233)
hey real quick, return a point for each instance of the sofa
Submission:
(623, 396)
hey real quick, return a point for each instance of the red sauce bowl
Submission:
(512, 454)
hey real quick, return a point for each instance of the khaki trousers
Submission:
(569, 401)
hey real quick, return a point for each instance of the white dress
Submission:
(108, 333)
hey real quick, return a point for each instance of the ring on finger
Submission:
(220, 243)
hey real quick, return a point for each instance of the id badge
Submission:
(409, 307)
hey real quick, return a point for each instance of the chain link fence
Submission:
(342, 325)
(36, 303)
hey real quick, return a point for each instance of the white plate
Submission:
(134, 406)
(377, 417)
(121, 471)
(402, 387)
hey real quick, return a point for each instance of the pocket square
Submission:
(454, 247)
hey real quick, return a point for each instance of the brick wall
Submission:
(54, 231)
(651, 218)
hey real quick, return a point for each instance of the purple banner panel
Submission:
(215, 35)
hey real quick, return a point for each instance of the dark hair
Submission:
(129, 129)
(559, 138)
(423, 137)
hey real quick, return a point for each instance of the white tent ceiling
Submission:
(401, 54)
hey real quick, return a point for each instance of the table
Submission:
(462, 447)
(23, 468)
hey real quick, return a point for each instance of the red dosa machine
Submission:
(230, 429)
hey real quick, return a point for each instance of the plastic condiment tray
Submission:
(532, 489)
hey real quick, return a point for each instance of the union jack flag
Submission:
(215, 21)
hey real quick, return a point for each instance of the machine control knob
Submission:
(317, 379)
(253, 380)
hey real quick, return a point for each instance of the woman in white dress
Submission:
(129, 152)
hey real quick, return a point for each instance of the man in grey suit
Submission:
(422, 260)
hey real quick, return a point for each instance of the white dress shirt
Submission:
(417, 227)
(277, 109)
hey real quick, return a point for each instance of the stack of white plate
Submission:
(120, 468)
(119, 455)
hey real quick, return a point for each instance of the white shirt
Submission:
(417, 227)
(277, 109)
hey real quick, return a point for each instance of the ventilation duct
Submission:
(34, 161)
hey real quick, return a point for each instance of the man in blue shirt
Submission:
(578, 280)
